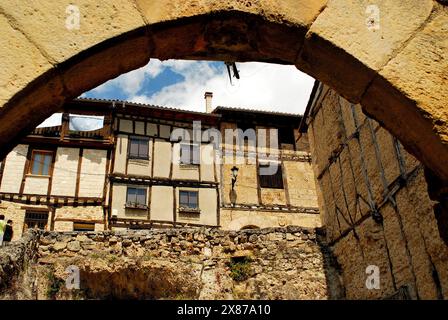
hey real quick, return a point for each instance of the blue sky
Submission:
(182, 84)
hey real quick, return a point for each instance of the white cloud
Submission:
(262, 86)
(130, 83)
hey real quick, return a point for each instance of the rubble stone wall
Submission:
(16, 272)
(272, 263)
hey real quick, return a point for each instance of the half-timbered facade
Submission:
(151, 182)
(142, 166)
(56, 178)
(286, 197)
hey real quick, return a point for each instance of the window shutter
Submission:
(274, 181)
(133, 150)
(144, 145)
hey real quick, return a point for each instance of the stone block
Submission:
(74, 246)
(344, 51)
(59, 246)
(99, 21)
(413, 110)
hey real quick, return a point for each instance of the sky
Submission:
(182, 84)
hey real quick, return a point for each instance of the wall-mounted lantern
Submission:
(234, 176)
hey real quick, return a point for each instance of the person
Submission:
(8, 233)
(2, 228)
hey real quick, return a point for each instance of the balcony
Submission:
(54, 132)
(70, 131)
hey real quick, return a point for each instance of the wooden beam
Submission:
(171, 162)
(218, 209)
(145, 224)
(149, 202)
(152, 156)
(79, 220)
(64, 126)
(50, 181)
(25, 169)
(52, 217)
(40, 209)
(145, 180)
(78, 172)
(68, 142)
(127, 153)
(285, 184)
(2, 169)
(174, 207)
(52, 200)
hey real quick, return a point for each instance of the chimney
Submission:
(208, 102)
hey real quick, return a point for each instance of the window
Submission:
(286, 136)
(245, 126)
(83, 226)
(35, 220)
(41, 162)
(136, 198)
(190, 153)
(188, 200)
(275, 180)
(138, 148)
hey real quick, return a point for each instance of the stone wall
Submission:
(249, 204)
(375, 204)
(273, 263)
(64, 219)
(16, 212)
(238, 218)
(16, 272)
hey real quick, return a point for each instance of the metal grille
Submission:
(35, 220)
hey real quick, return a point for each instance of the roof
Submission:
(136, 104)
(149, 110)
(303, 127)
(236, 109)
(250, 117)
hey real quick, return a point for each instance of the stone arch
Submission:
(250, 227)
(395, 67)
(242, 222)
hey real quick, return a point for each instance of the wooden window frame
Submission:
(138, 156)
(188, 209)
(269, 182)
(85, 224)
(135, 205)
(284, 137)
(31, 164)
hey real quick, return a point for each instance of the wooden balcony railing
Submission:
(64, 133)
(48, 131)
